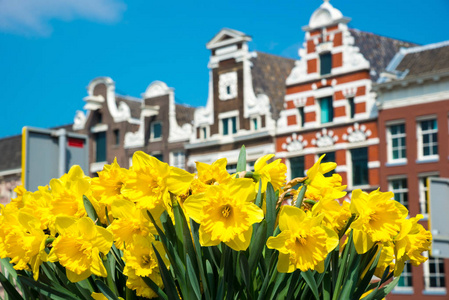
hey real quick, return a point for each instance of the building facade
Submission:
(413, 102)
(329, 104)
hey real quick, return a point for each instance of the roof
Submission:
(269, 73)
(184, 114)
(11, 150)
(424, 60)
(134, 104)
(378, 50)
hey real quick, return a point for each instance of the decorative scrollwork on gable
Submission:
(357, 133)
(294, 143)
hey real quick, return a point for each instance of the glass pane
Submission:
(360, 166)
(325, 63)
(225, 123)
(100, 142)
(157, 130)
(425, 139)
(329, 157)
(159, 156)
(234, 124)
(395, 142)
(297, 168)
(255, 124)
(434, 124)
(327, 113)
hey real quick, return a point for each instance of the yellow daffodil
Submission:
(411, 241)
(108, 185)
(274, 172)
(151, 181)
(319, 186)
(130, 221)
(208, 175)
(78, 247)
(303, 243)
(17, 202)
(335, 214)
(101, 296)
(378, 218)
(225, 213)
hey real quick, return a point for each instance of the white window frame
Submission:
(426, 276)
(350, 167)
(423, 192)
(400, 190)
(348, 107)
(152, 138)
(390, 158)
(300, 120)
(228, 115)
(259, 123)
(204, 129)
(231, 170)
(177, 160)
(405, 289)
(419, 136)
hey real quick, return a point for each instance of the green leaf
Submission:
(257, 245)
(106, 290)
(301, 195)
(362, 286)
(195, 234)
(46, 290)
(293, 284)
(258, 201)
(378, 294)
(271, 209)
(310, 280)
(154, 287)
(9, 288)
(193, 278)
(241, 163)
(169, 282)
(343, 264)
(8, 266)
(244, 268)
(90, 210)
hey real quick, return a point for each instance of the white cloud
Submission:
(32, 17)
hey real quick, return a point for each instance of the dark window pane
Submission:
(157, 130)
(351, 108)
(297, 168)
(159, 156)
(117, 136)
(100, 145)
(329, 157)
(327, 110)
(360, 166)
(234, 124)
(325, 63)
(225, 126)
(301, 116)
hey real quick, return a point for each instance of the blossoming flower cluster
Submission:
(52, 224)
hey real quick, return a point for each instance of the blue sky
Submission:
(51, 49)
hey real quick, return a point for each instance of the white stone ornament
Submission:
(325, 138)
(227, 86)
(294, 143)
(357, 133)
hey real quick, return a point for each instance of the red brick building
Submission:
(413, 102)
(329, 104)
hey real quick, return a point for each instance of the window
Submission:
(159, 156)
(231, 168)
(99, 117)
(251, 166)
(203, 132)
(423, 196)
(396, 146)
(400, 190)
(428, 138)
(117, 137)
(297, 168)
(255, 123)
(100, 146)
(405, 282)
(229, 125)
(351, 107)
(330, 157)
(156, 131)
(179, 159)
(359, 166)
(327, 110)
(434, 274)
(325, 63)
(302, 117)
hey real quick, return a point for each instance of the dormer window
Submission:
(229, 125)
(325, 63)
(256, 123)
(156, 131)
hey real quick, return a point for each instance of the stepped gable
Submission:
(184, 114)
(425, 60)
(378, 50)
(11, 153)
(134, 104)
(269, 73)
